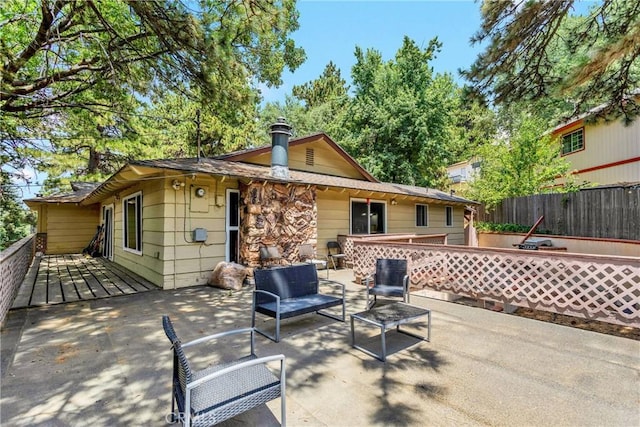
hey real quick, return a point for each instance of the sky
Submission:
(331, 30)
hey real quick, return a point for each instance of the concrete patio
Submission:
(107, 362)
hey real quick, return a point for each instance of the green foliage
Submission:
(329, 87)
(77, 77)
(400, 123)
(507, 228)
(538, 51)
(15, 220)
(523, 162)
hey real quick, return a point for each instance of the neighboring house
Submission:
(172, 221)
(461, 173)
(600, 152)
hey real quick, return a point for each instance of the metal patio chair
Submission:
(308, 254)
(334, 252)
(222, 391)
(389, 280)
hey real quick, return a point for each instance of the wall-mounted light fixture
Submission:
(117, 197)
(177, 184)
(394, 202)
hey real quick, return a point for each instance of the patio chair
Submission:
(222, 391)
(334, 252)
(307, 254)
(270, 255)
(389, 280)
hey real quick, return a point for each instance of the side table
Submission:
(389, 316)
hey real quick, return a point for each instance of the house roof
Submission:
(246, 154)
(80, 191)
(146, 169)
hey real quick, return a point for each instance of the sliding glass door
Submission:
(368, 216)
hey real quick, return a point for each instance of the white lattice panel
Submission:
(589, 286)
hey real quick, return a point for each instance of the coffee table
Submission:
(389, 316)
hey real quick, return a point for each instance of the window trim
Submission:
(138, 250)
(447, 217)
(563, 136)
(426, 206)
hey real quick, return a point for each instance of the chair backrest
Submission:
(391, 272)
(288, 282)
(269, 253)
(306, 251)
(334, 248)
(181, 370)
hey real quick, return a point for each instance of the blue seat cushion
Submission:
(301, 305)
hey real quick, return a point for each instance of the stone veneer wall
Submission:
(280, 215)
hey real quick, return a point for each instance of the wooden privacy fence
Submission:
(14, 263)
(594, 287)
(612, 213)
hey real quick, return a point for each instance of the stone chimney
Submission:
(280, 133)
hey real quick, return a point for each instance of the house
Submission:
(461, 173)
(173, 220)
(600, 152)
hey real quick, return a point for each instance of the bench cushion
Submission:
(301, 305)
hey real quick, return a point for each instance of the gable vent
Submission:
(310, 160)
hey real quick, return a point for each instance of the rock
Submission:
(228, 275)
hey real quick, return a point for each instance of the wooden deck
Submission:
(56, 279)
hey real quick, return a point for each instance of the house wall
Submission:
(606, 147)
(69, 228)
(334, 212)
(170, 258)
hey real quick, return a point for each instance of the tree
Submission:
(521, 163)
(329, 87)
(15, 220)
(400, 122)
(537, 50)
(85, 69)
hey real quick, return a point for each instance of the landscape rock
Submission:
(228, 275)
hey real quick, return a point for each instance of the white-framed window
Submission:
(132, 223)
(448, 216)
(573, 141)
(368, 216)
(422, 215)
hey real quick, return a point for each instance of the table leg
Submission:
(384, 344)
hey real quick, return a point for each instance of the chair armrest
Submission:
(268, 294)
(405, 283)
(239, 366)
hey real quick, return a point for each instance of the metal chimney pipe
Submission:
(280, 133)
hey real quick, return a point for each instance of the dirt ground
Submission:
(561, 319)
(576, 322)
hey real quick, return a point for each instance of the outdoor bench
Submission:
(285, 292)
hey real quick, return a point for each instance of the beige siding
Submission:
(70, 228)
(606, 144)
(170, 258)
(334, 210)
(325, 160)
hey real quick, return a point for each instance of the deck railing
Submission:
(347, 240)
(599, 287)
(14, 263)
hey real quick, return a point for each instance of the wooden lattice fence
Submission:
(596, 287)
(346, 241)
